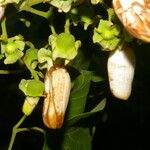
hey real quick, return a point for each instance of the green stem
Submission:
(52, 28)
(111, 14)
(28, 8)
(42, 131)
(9, 71)
(4, 30)
(38, 129)
(29, 44)
(67, 25)
(37, 12)
(22, 129)
(14, 132)
(34, 74)
(16, 129)
(51, 25)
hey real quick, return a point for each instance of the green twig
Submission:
(14, 132)
(22, 130)
(9, 71)
(67, 25)
(38, 129)
(37, 12)
(52, 28)
(51, 25)
(46, 15)
(3, 26)
(30, 44)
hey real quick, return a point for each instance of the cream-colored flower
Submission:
(135, 16)
(2, 11)
(121, 66)
(57, 91)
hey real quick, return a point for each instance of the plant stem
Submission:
(37, 12)
(9, 71)
(29, 44)
(4, 30)
(28, 8)
(38, 129)
(52, 28)
(67, 25)
(14, 132)
(51, 25)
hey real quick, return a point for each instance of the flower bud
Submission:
(29, 105)
(121, 66)
(135, 16)
(57, 91)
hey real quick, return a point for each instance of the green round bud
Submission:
(29, 105)
(10, 48)
(107, 35)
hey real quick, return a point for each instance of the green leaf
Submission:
(98, 108)
(77, 139)
(79, 94)
(80, 62)
(32, 88)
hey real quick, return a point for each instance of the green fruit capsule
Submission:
(29, 105)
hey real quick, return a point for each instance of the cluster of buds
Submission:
(57, 91)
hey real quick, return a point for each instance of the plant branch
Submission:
(4, 30)
(38, 129)
(14, 132)
(28, 7)
(67, 25)
(9, 71)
